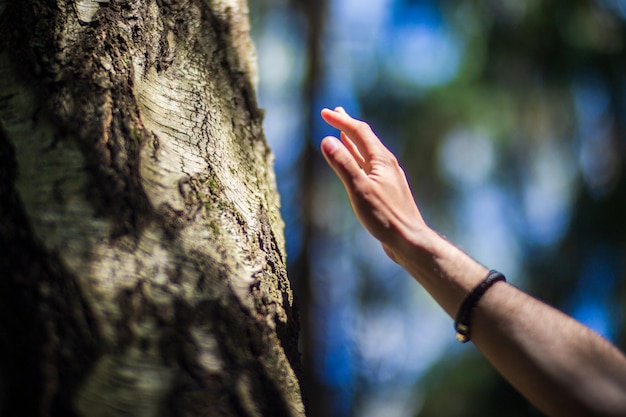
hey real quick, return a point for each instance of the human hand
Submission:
(376, 184)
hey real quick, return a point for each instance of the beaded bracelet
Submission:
(464, 316)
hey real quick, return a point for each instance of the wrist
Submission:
(444, 270)
(415, 248)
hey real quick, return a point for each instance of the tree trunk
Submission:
(142, 260)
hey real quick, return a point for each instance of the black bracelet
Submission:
(464, 316)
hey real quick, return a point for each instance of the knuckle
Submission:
(389, 160)
(393, 161)
(363, 189)
(342, 158)
(362, 128)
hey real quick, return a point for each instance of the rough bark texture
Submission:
(142, 261)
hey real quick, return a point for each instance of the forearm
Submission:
(561, 366)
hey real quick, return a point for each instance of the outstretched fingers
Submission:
(359, 132)
(342, 161)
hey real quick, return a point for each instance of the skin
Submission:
(562, 367)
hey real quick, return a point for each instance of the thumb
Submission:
(341, 161)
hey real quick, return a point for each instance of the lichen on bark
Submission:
(144, 210)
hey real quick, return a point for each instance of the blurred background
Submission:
(510, 119)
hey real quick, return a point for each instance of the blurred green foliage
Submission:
(510, 120)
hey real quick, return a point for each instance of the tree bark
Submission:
(141, 248)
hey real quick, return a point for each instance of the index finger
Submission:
(358, 131)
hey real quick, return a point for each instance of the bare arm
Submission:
(561, 366)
